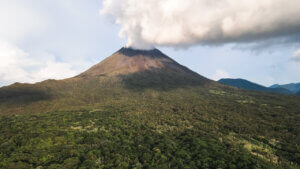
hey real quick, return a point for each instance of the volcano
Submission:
(146, 69)
(130, 61)
(142, 109)
(126, 69)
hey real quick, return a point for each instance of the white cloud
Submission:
(18, 66)
(188, 22)
(59, 37)
(296, 55)
(20, 20)
(220, 74)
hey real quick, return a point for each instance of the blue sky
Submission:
(60, 38)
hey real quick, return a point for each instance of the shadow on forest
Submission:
(162, 80)
(20, 93)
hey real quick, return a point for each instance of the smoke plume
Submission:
(183, 23)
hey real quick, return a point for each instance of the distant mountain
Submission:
(293, 87)
(247, 85)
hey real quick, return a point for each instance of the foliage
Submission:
(111, 138)
(144, 121)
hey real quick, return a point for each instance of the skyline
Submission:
(60, 39)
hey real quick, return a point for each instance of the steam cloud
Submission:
(182, 23)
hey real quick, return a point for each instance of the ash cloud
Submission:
(182, 23)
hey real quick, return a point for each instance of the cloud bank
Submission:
(42, 40)
(182, 23)
(19, 66)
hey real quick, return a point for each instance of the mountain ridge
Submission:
(293, 87)
(248, 85)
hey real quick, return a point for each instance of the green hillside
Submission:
(147, 112)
